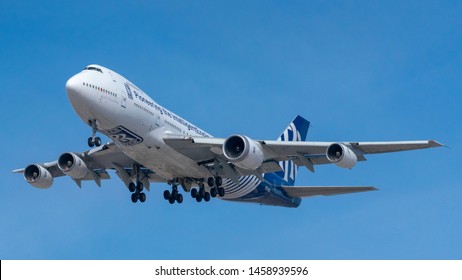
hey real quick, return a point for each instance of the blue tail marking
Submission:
(296, 131)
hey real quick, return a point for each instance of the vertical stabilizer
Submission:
(296, 131)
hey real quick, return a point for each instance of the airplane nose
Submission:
(73, 86)
(82, 102)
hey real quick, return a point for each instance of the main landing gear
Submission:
(93, 140)
(199, 194)
(173, 196)
(215, 185)
(136, 190)
(215, 190)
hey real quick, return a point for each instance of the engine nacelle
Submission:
(341, 155)
(38, 176)
(72, 165)
(243, 152)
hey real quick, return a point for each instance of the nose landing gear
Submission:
(93, 140)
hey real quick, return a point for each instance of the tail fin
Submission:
(296, 131)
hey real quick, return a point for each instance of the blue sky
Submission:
(358, 70)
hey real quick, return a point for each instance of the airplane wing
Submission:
(97, 161)
(210, 151)
(302, 192)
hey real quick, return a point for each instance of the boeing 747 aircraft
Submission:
(152, 144)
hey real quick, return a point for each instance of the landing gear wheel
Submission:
(214, 192)
(131, 187)
(142, 197)
(135, 197)
(207, 197)
(221, 191)
(174, 195)
(210, 181)
(179, 198)
(198, 198)
(139, 187)
(194, 193)
(167, 195)
(91, 143)
(97, 141)
(218, 181)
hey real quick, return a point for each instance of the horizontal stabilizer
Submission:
(317, 191)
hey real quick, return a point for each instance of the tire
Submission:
(198, 198)
(218, 181)
(167, 195)
(139, 186)
(134, 197)
(142, 197)
(221, 191)
(207, 197)
(214, 192)
(211, 181)
(193, 193)
(91, 143)
(97, 141)
(171, 200)
(179, 198)
(131, 187)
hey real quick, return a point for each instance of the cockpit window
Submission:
(93, 68)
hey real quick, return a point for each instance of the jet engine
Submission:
(38, 176)
(341, 155)
(72, 165)
(243, 152)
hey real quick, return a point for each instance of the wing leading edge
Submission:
(308, 154)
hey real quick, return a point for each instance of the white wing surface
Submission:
(96, 161)
(203, 150)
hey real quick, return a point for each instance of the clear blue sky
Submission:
(358, 70)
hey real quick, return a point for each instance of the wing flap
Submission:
(301, 192)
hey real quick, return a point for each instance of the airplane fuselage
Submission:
(137, 124)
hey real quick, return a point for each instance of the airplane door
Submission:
(123, 101)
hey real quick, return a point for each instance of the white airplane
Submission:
(152, 144)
